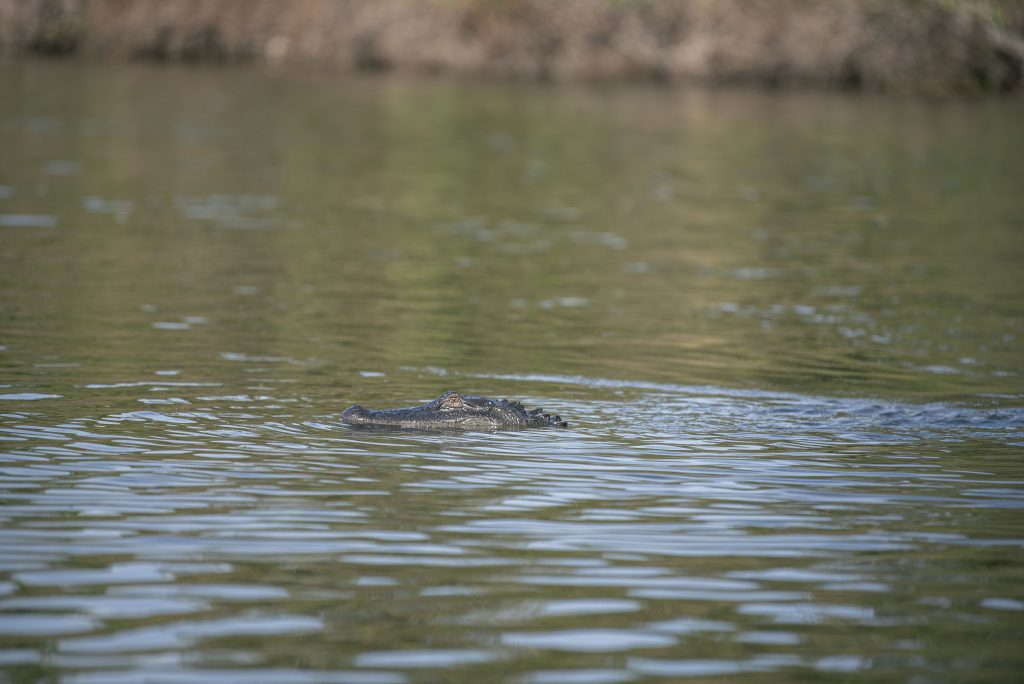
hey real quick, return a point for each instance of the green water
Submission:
(786, 330)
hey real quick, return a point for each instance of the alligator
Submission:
(454, 411)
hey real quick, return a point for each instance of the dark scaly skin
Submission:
(454, 411)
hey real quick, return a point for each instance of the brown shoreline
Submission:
(932, 47)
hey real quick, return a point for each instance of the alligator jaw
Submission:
(407, 418)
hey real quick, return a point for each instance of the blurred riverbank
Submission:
(931, 47)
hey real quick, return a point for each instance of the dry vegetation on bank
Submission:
(915, 46)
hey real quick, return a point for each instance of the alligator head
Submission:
(454, 411)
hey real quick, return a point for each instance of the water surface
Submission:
(785, 330)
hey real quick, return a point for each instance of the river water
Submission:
(786, 330)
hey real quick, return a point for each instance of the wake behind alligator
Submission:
(454, 411)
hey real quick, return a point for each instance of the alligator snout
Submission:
(354, 414)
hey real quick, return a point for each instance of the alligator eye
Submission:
(453, 401)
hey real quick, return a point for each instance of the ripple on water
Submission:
(664, 525)
(106, 606)
(183, 634)
(28, 396)
(528, 611)
(589, 640)
(117, 573)
(709, 667)
(220, 592)
(769, 638)
(19, 656)
(45, 625)
(809, 613)
(28, 220)
(430, 658)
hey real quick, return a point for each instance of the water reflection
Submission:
(784, 331)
